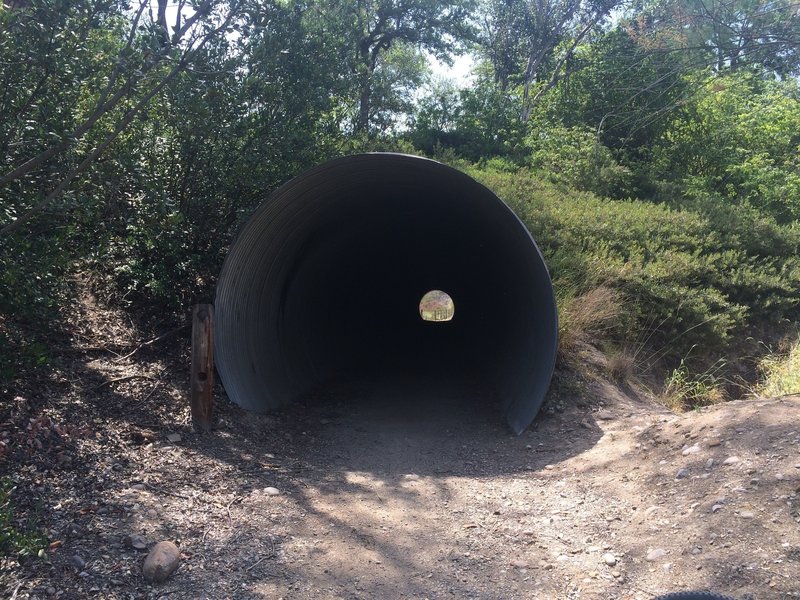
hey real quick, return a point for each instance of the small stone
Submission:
(77, 562)
(682, 474)
(747, 514)
(138, 487)
(151, 513)
(609, 559)
(519, 564)
(616, 574)
(779, 476)
(655, 554)
(271, 491)
(714, 442)
(709, 463)
(716, 507)
(51, 591)
(549, 467)
(137, 542)
(161, 562)
(174, 437)
(694, 449)
(731, 460)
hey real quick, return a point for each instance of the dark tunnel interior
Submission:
(325, 280)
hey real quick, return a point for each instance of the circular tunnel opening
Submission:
(324, 284)
(437, 306)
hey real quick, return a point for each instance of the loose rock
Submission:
(649, 511)
(682, 474)
(137, 541)
(174, 437)
(271, 491)
(691, 450)
(77, 562)
(731, 460)
(609, 559)
(655, 554)
(161, 562)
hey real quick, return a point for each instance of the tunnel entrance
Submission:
(325, 279)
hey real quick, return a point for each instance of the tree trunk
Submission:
(364, 106)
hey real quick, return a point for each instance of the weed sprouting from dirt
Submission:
(684, 389)
(19, 536)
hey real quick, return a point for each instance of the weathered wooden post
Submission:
(202, 377)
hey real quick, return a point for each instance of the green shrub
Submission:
(699, 275)
(736, 138)
(575, 156)
(32, 286)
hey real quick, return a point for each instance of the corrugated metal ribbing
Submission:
(325, 279)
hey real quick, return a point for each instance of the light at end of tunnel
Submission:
(436, 306)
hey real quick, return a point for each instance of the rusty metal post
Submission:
(202, 376)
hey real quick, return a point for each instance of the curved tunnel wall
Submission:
(325, 279)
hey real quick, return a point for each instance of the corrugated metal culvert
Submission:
(326, 279)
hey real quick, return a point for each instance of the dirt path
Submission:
(408, 494)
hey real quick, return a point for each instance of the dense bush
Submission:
(574, 156)
(739, 139)
(695, 276)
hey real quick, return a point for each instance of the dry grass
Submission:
(781, 372)
(621, 365)
(685, 390)
(588, 318)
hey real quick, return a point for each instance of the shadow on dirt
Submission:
(407, 438)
